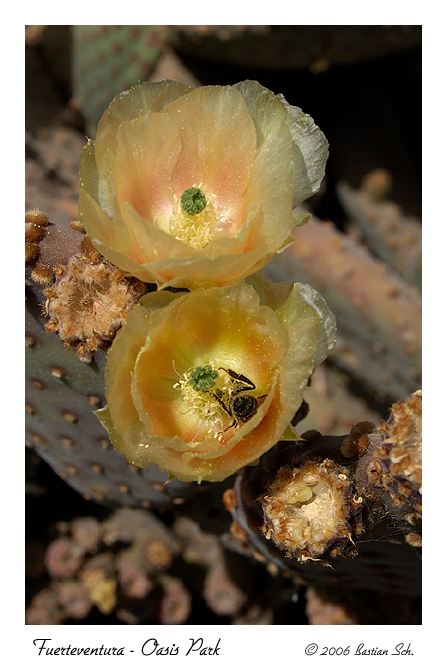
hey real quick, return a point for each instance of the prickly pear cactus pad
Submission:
(111, 59)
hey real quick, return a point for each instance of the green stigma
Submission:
(203, 378)
(193, 200)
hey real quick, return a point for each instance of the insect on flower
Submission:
(241, 405)
(174, 386)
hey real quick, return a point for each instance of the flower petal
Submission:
(218, 142)
(310, 153)
(147, 150)
(309, 145)
(131, 105)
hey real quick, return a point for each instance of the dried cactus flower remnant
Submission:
(312, 511)
(203, 383)
(89, 302)
(187, 186)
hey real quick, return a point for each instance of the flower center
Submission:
(200, 389)
(193, 200)
(194, 219)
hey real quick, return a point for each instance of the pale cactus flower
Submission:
(203, 383)
(188, 187)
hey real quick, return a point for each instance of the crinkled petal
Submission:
(310, 154)
(94, 188)
(310, 147)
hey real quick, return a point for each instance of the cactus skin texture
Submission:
(373, 472)
(378, 345)
(111, 59)
(61, 394)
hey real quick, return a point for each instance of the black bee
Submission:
(240, 404)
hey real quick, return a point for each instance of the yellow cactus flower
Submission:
(187, 186)
(204, 382)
